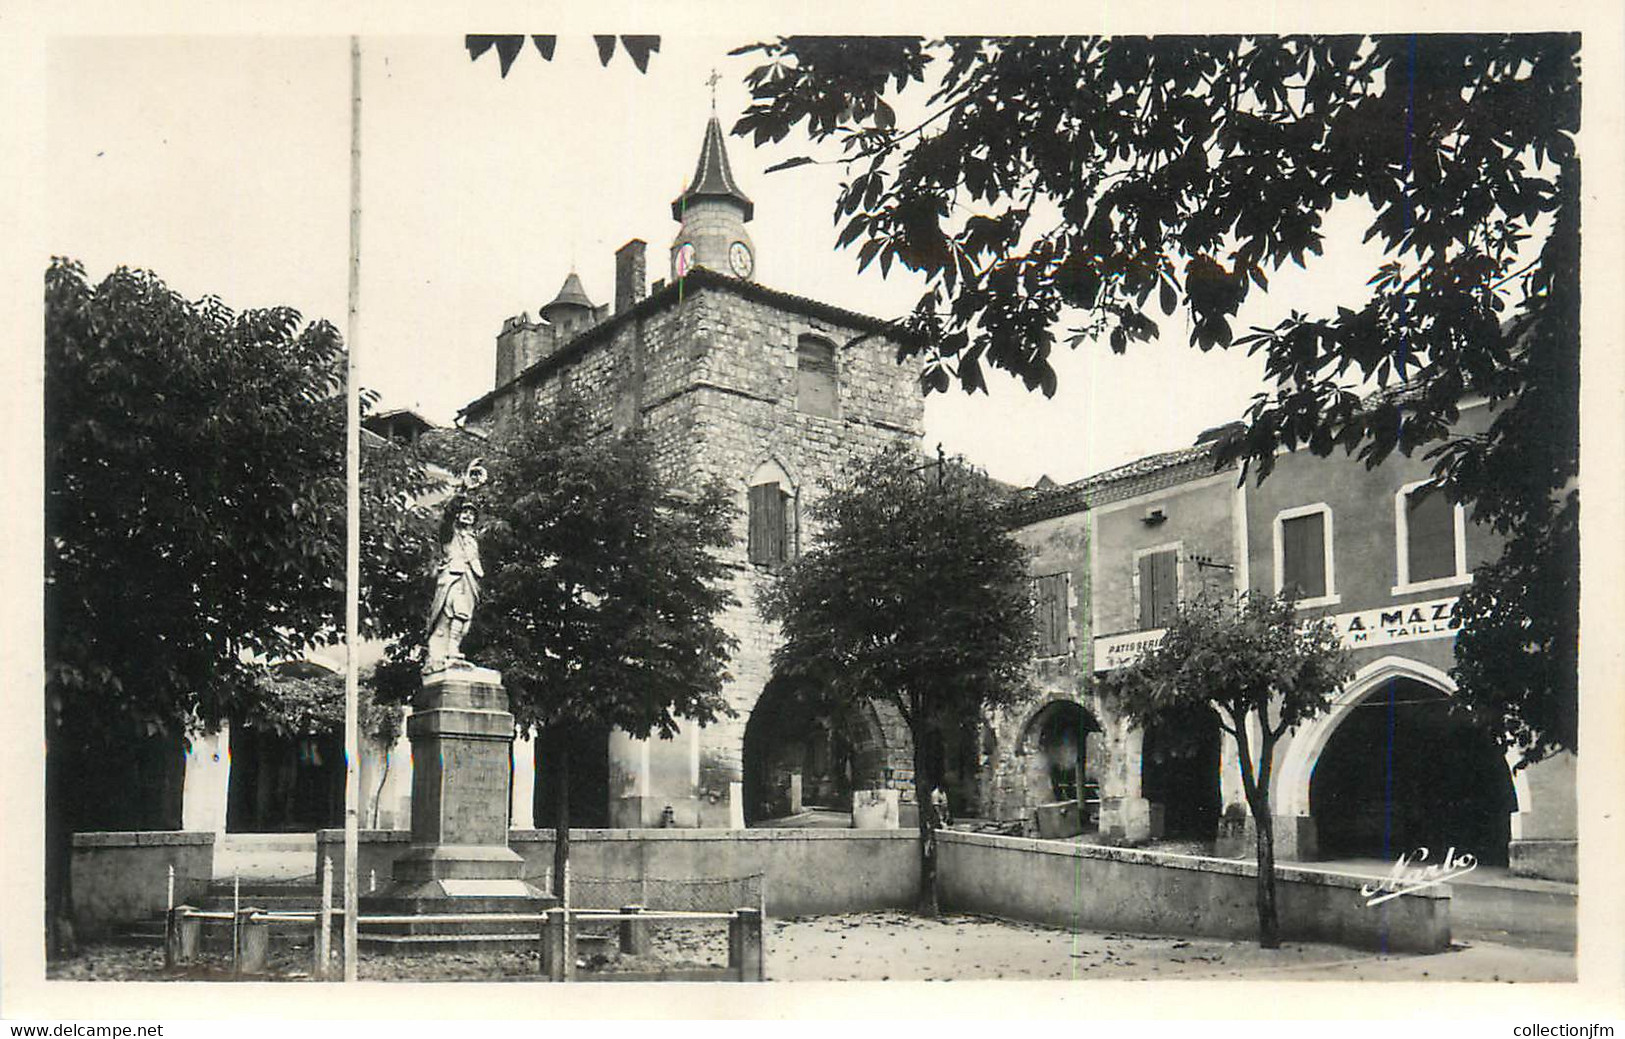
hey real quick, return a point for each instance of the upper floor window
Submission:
(1157, 586)
(1430, 538)
(1303, 555)
(772, 540)
(816, 385)
(1051, 611)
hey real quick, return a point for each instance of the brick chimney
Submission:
(631, 277)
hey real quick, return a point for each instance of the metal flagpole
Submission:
(352, 529)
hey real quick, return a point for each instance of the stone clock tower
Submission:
(713, 212)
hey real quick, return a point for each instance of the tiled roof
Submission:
(1137, 477)
(698, 278)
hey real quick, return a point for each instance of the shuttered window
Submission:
(1052, 615)
(772, 533)
(1159, 588)
(1303, 555)
(815, 377)
(1430, 536)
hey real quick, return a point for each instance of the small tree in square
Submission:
(1251, 660)
(913, 592)
(602, 588)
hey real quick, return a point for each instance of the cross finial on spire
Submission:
(713, 79)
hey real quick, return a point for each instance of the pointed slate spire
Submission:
(713, 178)
(571, 294)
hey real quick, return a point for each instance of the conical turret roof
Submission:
(571, 294)
(713, 178)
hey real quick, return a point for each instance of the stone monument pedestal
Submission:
(459, 861)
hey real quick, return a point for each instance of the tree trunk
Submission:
(1269, 923)
(59, 938)
(924, 784)
(1256, 789)
(561, 822)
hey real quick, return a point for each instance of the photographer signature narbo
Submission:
(1410, 874)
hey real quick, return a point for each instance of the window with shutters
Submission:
(816, 384)
(1430, 539)
(1303, 555)
(1156, 586)
(1052, 614)
(772, 540)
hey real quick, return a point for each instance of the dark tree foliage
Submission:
(1519, 645)
(194, 518)
(1253, 659)
(913, 592)
(1055, 181)
(509, 47)
(602, 588)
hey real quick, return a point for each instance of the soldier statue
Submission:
(457, 584)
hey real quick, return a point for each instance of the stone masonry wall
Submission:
(724, 387)
(712, 380)
(1058, 546)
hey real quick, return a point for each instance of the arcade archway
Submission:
(583, 752)
(284, 780)
(1054, 746)
(1469, 808)
(793, 732)
(1179, 770)
(284, 783)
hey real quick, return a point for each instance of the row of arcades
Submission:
(1390, 768)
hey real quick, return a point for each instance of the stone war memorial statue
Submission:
(457, 585)
(462, 735)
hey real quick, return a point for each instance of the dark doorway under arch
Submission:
(1055, 745)
(1400, 773)
(792, 730)
(284, 784)
(586, 749)
(122, 781)
(1179, 770)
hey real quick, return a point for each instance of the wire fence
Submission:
(665, 894)
(670, 894)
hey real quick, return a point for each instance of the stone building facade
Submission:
(771, 392)
(774, 393)
(1387, 768)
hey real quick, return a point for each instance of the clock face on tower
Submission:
(685, 259)
(740, 260)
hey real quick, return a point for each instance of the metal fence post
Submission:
(735, 941)
(634, 933)
(255, 943)
(324, 931)
(174, 942)
(190, 929)
(558, 960)
(750, 958)
(236, 923)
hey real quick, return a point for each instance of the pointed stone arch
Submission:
(1052, 754)
(1296, 767)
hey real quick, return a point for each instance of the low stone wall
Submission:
(806, 871)
(1098, 888)
(1547, 859)
(1067, 885)
(123, 877)
(376, 852)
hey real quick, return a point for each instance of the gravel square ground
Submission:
(895, 946)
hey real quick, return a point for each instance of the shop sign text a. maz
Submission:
(1379, 626)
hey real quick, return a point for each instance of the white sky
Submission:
(221, 164)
